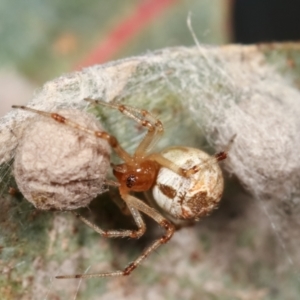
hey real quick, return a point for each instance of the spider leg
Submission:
(111, 234)
(113, 142)
(164, 162)
(111, 183)
(118, 233)
(115, 197)
(137, 204)
(143, 118)
(216, 158)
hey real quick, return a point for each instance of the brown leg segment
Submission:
(119, 233)
(142, 117)
(113, 142)
(164, 162)
(141, 206)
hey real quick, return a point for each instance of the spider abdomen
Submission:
(192, 197)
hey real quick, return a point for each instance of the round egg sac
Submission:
(58, 166)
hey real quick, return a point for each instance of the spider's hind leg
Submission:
(138, 205)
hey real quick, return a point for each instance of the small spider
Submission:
(186, 183)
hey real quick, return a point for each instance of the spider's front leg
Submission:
(142, 117)
(169, 164)
(113, 142)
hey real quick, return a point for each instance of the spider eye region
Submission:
(130, 181)
(137, 178)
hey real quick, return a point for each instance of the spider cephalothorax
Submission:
(139, 177)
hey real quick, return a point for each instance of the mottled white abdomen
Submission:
(192, 197)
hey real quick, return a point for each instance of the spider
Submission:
(186, 183)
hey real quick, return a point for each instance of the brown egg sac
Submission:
(59, 167)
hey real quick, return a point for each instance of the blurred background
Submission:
(41, 40)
